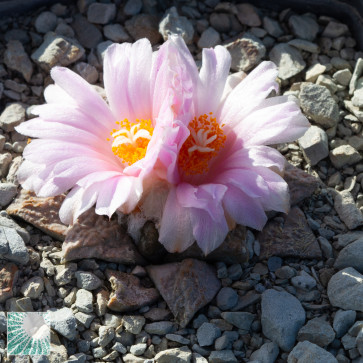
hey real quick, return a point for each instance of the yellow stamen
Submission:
(205, 140)
(131, 140)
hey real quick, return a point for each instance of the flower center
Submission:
(130, 140)
(205, 139)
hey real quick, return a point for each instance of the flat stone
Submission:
(87, 280)
(272, 27)
(282, 316)
(222, 356)
(356, 142)
(354, 110)
(87, 72)
(132, 7)
(343, 320)
(267, 353)
(317, 103)
(246, 52)
(175, 355)
(14, 248)
(95, 236)
(351, 256)
(240, 319)
(305, 45)
(157, 314)
(344, 155)
(45, 22)
(33, 287)
(304, 27)
(160, 327)
(317, 331)
(99, 13)
(220, 22)
(345, 289)
(101, 49)
(309, 352)
(57, 50)
(288, 60)
(314, 71)
(7, 193)
(63, 322)
(17, 59)
(8, 278)
(209, 38)
(227, 298)
(335, 30)
(172, 23)
(13, 115)
(177, 338)
(357, 72)
(247, 15)
(343, 77)
(116, 33)
(42, 213)
(106, 334)
(185, 296)
(84, 319)
(303, 281)
(133, 323)
(84, 301)
(128, 294)
(207, 333)
(347, 210)
(357, 98)
(301, 184)
(293, 237)
(144, 26)
(87, 34)
(328, 82)
(314, 145)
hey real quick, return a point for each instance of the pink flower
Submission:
(226, 173)
(107, 154)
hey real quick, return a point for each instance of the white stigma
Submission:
(201, 141)
(125, 136)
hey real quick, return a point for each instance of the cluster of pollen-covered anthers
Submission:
(131, 140)
(205, 140)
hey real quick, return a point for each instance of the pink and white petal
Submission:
(244, 209)
(96, 177)
(213, 76)
(209, 232)
(249, 93)
(88, 199)
(85, 95)
(233, 80)
(175, 232)
(275, 121)
(70, 205)
(56, 95)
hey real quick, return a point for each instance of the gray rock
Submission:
(343, 77)
(7, 193)
(357, 98)
(246, 52)
(344, 155)
(209, 38)
(144, 26)
(314, 145)
(288, 59)
(327, 81)
(138, 349)
(303, 281)
(309, 352)
(317, 103)
(358, 69)
(356, 328)
(227, 298)
(45, 22)
(345, 289)
(302, 44)
(63, 322)
(172, 23)
(87, 280)
(317, 331)
(13, 115)
(87, 72)
(267, 353)
(87, 34)
(65, 273)
(133, 323)
(101, 49)
(33, 287)
(207, 333)
(240, 319)
(17, 59)
(314, 71)
(84, 319)
(3, 322)
(281, 317)
(116, 33)
(335, 30)
(132, 7)
(98, 13)
(343, 320)
(64, 29)
(57, 50)
(16, 249)
(118, 347)
(222, 356)
(351, 256)
(247, 15)
(220, 22)
(272, 27)
(353, 109)
(5, 160)
(106, 334)
(160, 327)
(304, 27)
(348, 212)
(175, 355)
(285, 272)
(84, 301)
(177, 338)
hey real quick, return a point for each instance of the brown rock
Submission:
(158, 314)
(128, 294)
(8, 276)
(144, 26)
(247, 15)
(95, 236)
(186, 286)
(301, 184)
(42, 213)
(102, 297)
(293, 237)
